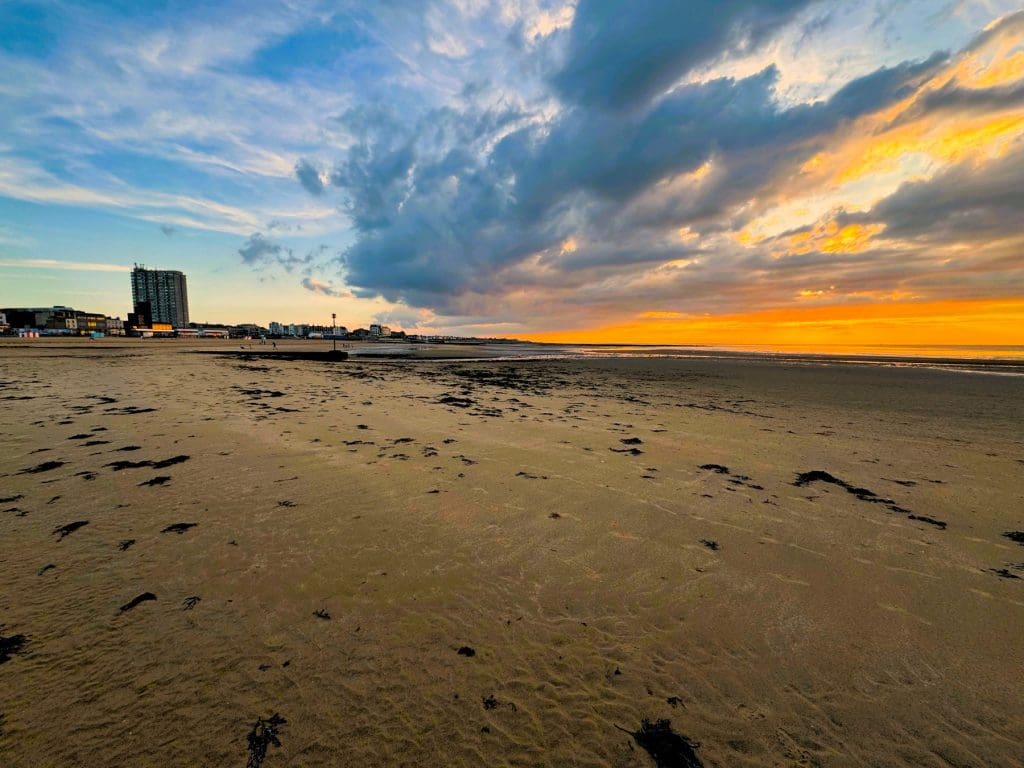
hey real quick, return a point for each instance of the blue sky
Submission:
(500, 167)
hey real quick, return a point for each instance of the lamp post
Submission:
(334, 332)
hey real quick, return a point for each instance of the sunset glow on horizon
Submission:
(797, 172)
(930, 324)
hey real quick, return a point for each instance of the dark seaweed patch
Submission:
(819, 476)
(667, 748)
(261, 392)
(117, 466)
(46, 466)
(162, 464)
(529, 476)
(10, 646)
(263, 734)
(64, 530)
(145, 597)
(158, 480)
(718, 468)
(1015, 536)
(178, 527)
(1004, 573)
(466, 651)
(457, 402)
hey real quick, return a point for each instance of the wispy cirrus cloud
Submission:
(324, 289)
(75, 266)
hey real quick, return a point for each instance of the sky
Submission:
(699, 171)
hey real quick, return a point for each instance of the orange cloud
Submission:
(876, 143)
(986, 137)
(998, 61)
(828, 237)
(913, 139)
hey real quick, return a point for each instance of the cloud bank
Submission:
(647, 186)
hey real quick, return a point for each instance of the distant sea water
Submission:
(990, 359)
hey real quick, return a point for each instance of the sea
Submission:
(982, 359)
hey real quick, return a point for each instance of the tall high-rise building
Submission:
(165, 292)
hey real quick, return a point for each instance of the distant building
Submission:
(165, 293)
(379, 330)
(87, 323)
(58, 321)
(247, 331)
(306, 330)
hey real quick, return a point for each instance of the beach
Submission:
(505, 562)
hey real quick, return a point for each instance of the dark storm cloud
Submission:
(966, 203)
(619, 57)
(953, 99)
(465, 206)
(259, 251)
(443, 208)
(309, 177)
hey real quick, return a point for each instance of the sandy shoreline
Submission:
(997, 360)
(614, 539)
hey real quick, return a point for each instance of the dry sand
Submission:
(552, 516)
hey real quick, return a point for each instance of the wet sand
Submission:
(505, 563)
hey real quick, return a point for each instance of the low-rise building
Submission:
(56, 321)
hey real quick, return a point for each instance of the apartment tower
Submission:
(165, 293)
